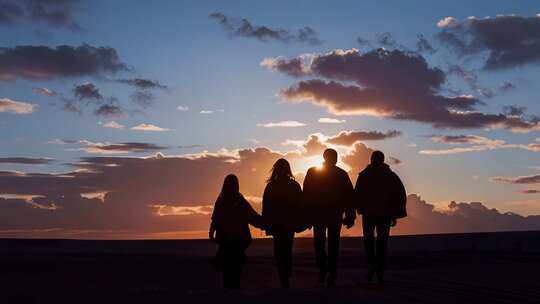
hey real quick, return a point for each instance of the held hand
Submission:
(211, 235)
(393, 222)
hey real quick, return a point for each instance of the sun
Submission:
(311, 161)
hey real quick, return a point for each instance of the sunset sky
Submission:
(120, 119)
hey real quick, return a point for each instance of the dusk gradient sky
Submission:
(120, 118)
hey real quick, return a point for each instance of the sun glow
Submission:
(311, 161)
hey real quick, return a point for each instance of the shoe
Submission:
(322, 277)
(330, 282)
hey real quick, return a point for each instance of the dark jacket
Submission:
(327, 194)
(282, 205)
(231, 217)
(380, 192)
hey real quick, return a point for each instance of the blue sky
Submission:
(207, 69)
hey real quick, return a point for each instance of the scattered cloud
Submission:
(87, 90)
(282, 124)
(347, 138)
(46, 63)
(529, 191)
(509, 40)
(25, 160)
(54, 14)
(528, 179)
(143, 99)
(45, 92)
(327, 120)
(16, 107)
(110, 110)
(182, 108)
(423, 45)
(393, 84)
(206, 112)
(121, 148)
(244, 28)
(113, 125)
(142, 83)
(477, 144)
(149, 127)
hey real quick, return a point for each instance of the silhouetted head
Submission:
(330, 157)
(280, 169)
(231, 187)
(377, 158)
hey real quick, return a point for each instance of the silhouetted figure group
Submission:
(327, 201)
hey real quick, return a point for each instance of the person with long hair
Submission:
(230, 230)
(280, 209)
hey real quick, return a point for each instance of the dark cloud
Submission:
(137, 147)
(143, 99)
(459, 218)
(44, 92)
(471, 78)
(347, 138)
(142, 83)
(530, 179)
(509, 40)
(109, 110)
(244, 28)
(45, 63)
(423, 45)
(387, 40)
(132, 196)
(363, 42)
(25, 160)
(458, 139)
(394, 84)
(507, 86)
(87, 91)
(53, 13)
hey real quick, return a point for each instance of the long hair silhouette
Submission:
(231, 187)
(280, 169)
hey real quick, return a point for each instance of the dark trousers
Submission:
(376, 247)
(283, 246)
(327, 262)
(233, 258)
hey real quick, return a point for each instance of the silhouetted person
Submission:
(281, 206)
(230, 229)
(380, 199)
(328, 193)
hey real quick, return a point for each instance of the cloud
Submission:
(143, 99)
(44, 92)
(509, 40)
(507, 86)
(149, 127)
(282, 124)
(113, 125)
(16, 107)
(46, 63)
(478, 144)
(423, 45)
(347, 138)
(54, 14)
(162, 194)
(471, 78)
(327, 120)
(424, 218)
(243, 28)
(87, 90)
(385, 87)
(110, 110)
(182, 108)
(142, 83)
(25, 160)
(121, 148)
(529, 179)
(206, 112)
